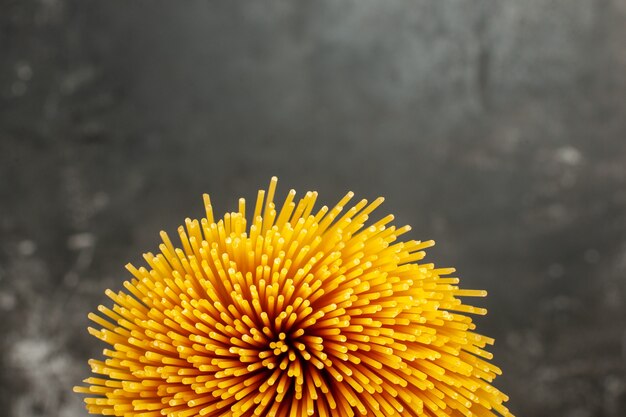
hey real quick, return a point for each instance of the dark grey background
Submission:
(497, 128)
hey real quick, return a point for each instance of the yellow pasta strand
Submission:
(291, 313)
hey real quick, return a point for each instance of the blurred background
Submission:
(495, 127)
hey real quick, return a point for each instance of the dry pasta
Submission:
(300, 312)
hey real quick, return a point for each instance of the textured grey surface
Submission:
(497, 128)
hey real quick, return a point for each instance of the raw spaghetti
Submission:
(298, 313)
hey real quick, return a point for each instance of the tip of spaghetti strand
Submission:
(429, 244)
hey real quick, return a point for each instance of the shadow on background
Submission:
(496, 128)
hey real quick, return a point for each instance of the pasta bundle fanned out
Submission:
(297, 312)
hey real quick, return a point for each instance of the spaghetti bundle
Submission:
(299, 312)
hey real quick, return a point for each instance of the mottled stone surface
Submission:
(497, 128)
